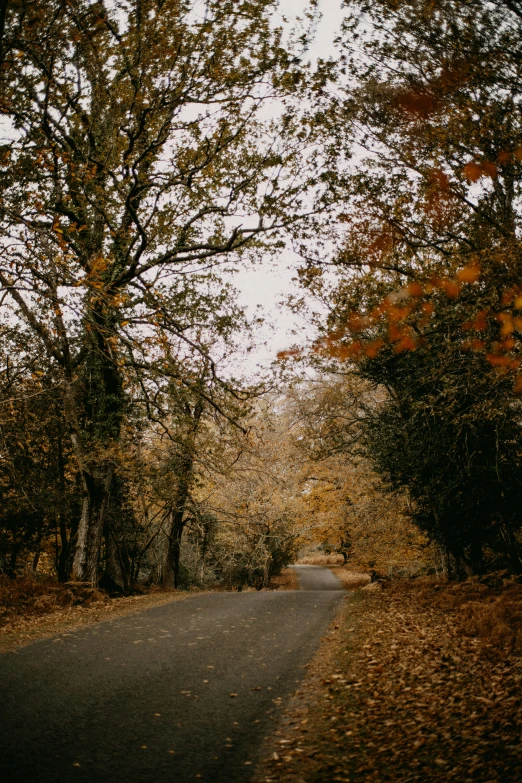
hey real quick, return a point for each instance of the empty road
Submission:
(180, 692)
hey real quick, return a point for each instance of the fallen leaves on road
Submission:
(406, 693)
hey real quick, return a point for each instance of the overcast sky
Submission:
(268, 284)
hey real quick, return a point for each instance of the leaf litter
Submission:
(420, 681)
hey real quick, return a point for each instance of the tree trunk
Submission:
(462, 564)
(116, 578)
(176, 524)
(36, 560)
(62, 560)
(11, 566)
(447, 557)
(101, 411)
(90, 529)
(170, 570)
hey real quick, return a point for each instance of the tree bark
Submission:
(90, 529)
(102, 410)
(176, 524)
(170, 570)
(117, 577)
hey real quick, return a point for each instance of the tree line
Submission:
(147, 146)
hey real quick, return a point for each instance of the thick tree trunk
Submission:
(170, 570)
(90, 529)
(101, 408)
(462, 565)
(116, 577)
(36, 560)
(11, 566)
(176, 523)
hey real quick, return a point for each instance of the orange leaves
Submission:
(451, 287)
(478, 323)
(357, 322)
(414, 289)
(372, 348)
(382, 243)
(292, 353)
(473, 345)
(470, 274)
(499, 360)
(440, 179)
(416, 103)
(474, 171)
(406, 343)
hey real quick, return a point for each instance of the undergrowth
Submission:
(488, 608)
(29, 597)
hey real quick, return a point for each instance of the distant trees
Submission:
(344, 505)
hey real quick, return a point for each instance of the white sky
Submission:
(266, 285)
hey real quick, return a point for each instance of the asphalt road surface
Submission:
(317, 578)
(180, 692)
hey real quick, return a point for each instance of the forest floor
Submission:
(418, 681)
(32, 609)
